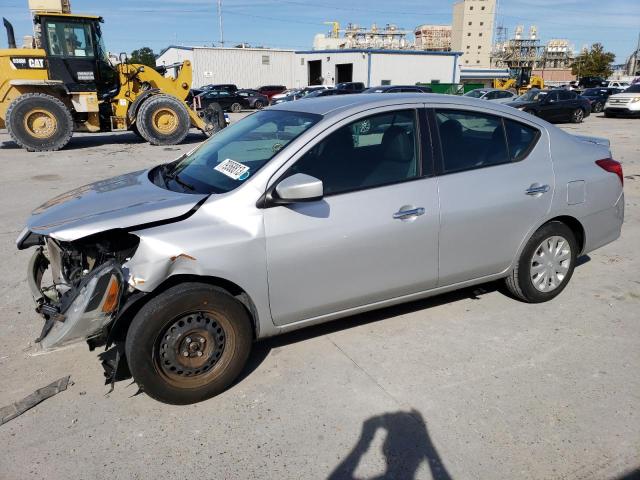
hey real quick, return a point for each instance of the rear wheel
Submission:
(188, 344)
(258, 105)
(545, 265)
(236, 107)
(598, 107)
(163, 120)
(577, 115)
(39, 122)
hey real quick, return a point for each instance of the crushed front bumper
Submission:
(81, 313)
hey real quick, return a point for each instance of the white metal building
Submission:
(245, 67)
(252, 67)
(376, 67)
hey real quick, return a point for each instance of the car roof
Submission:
(340, 104)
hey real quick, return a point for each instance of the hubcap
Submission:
(191, 345)
(40, 123)
(550, 263)
(165, 121)
(578, 115)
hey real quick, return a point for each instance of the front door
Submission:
(496, 183)
(374, 235)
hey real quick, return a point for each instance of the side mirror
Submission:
(299, 188)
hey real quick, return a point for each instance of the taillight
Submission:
(611, 166)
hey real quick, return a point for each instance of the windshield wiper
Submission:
(169, 173)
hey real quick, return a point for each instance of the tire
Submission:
(39, 122)
(158, 335)
(258, 105)
(163, 120)
(521, 281)
(577, 116)
(598, 107)
(235, 107)
(213, 115)
(136, 132)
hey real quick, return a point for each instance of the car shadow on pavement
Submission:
(104, 139)
(407, 444)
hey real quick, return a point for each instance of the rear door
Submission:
(496, 182)
(550, 108)
(374, 235)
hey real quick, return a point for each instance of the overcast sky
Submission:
(130, 24)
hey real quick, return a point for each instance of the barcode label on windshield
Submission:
(233, 169)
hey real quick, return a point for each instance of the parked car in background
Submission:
(271, 90)
(351, 87)
(231, 102)
(327, 93)
(591, 82)
(284, 220)
(625, 103)
(598, 97)
(553, 105)
(398, 89)
(295, 95)
(229, 87)
(493, 94)
(621, 86)
(256, 99)
(284, 93)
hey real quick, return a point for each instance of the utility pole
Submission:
(220, 22)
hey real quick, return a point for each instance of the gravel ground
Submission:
(467, 385)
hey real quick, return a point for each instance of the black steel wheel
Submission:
(188, 344)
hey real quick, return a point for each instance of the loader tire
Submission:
(163, 120)
(39, 122)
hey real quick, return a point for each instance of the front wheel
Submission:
(545, 265)
(598, 107)
(577, 116)
(188, 344)
(236, 107)
(259, 105)
(163, 120)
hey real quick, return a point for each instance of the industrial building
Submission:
(472, 31)
(436, 38)
(246, 67)
(251, 67)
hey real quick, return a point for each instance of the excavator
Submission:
(63, 81)
(519, 81)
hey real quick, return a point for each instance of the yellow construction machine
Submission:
(520, 81)
(62, 80)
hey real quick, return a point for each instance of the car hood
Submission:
(121, 202)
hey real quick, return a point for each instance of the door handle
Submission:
(405, 214)
(537, 189)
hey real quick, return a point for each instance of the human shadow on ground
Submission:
(406, 446)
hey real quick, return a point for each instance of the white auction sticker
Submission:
(233, 169)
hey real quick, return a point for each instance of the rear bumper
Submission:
(79, 313)
(603, 227)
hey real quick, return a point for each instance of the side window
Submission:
(505, 94)
(564, 95)
(553, 96)
(377, 150)
(521, 139)
(470, 140)
(69, 39)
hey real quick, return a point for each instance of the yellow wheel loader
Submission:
(520, 81)
(63, 81)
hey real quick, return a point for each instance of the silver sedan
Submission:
(493, 94)
(309, 212)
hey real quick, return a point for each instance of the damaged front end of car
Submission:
(79, 286)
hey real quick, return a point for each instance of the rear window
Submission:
(521, 139)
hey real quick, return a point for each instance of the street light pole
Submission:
(220, 22)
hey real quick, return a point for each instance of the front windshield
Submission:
(236, 153)
(475, 93)
(633, 89)
(532, 96)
